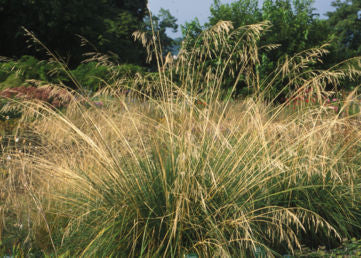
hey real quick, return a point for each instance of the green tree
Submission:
(108, 24)
(239, 12)
(346, 24)
(294, 26)
(163, 21)
(190, 31)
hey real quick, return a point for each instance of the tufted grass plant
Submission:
(169, 179)
(181, 169)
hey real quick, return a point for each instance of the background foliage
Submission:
(295, 27)
(72, 29)
(106, 24)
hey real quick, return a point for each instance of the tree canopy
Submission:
(108, 24)
(294, 27)
(345, 22)
(160, 23)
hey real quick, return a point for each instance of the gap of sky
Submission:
(187, 10)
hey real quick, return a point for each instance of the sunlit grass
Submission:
(180, 168)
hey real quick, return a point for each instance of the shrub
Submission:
(16, 73)
(55, 97)
(90, 76)
(129, 70)
(3, 76)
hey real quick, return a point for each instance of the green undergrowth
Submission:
(91, 75)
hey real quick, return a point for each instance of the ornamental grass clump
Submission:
(183, 169)
(131, 183)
